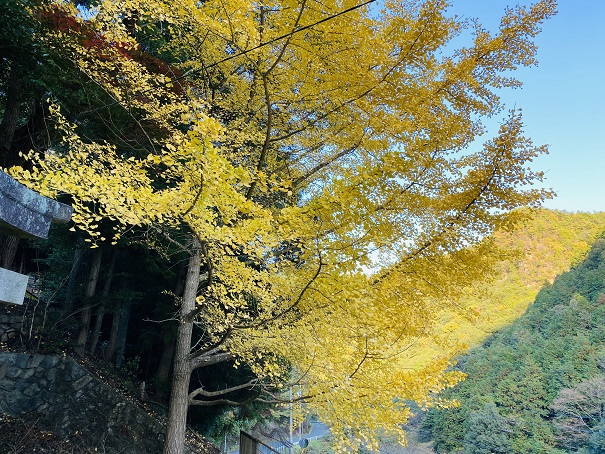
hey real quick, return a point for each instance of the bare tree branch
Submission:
(202, 392)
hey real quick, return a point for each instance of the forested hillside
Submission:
(542, 248)
(538, 385)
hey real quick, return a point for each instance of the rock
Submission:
(49, 361)
(14, 372)
(51, 374)
(81, 382)
(34, 361)
(27, 373)
(31, 390)
(13, 397)
(21, 360)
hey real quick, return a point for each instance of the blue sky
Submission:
(563, 98)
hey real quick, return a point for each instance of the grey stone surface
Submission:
(34, 361)
(69, 399)
(12, 286)
(24, 212)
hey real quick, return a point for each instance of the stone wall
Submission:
(16, 322)
(10, 326)
(66, 398)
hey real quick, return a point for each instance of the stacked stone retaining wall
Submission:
(16, 322)
(10, 326)
(66, 398)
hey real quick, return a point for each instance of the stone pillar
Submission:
(12, 286)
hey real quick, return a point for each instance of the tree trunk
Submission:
(124, 318)
(9, 251)
(165, 360)
(96, 331)
(179, 396)
(168, 338)
(12, 109)
(33, 135)
(101, 310)
(113, 334)
(72, 281)
(86, 313)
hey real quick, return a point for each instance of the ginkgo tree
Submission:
(312, 160)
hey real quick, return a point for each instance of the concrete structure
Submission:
(24, 213)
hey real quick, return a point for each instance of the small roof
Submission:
(26, 213)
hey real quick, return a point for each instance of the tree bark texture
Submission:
(120, 343)
(12, 110)
(179, 395)
(9, 251)
(113, 334)
(72, 280)
(165, 360)
(96, 332)
(91, 288)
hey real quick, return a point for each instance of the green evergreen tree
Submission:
(488, 432)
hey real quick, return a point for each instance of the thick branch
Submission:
(199, 192)
(221, 392)
(263, 154)
(210, 359)
(211, 403)
(208, 263)
(287, 43)
(179, 245)
(265, 76)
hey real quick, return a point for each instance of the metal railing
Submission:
(249, 444)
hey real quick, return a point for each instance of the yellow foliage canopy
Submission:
(309, 157)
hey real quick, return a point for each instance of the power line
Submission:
(247, 51)
(279, 38)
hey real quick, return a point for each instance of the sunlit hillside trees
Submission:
(543, 374)
(543, 247)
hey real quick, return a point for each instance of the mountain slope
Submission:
(543, 248)
(506, 403)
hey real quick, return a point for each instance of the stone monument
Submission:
(26, 214)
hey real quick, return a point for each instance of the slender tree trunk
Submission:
(179, 396)
(163, 370)
(12, 109)
(96, 330)
(104, 296)
(86, 313)
(113, 334)
(72, 281)
(165, 360)
(122, 331)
